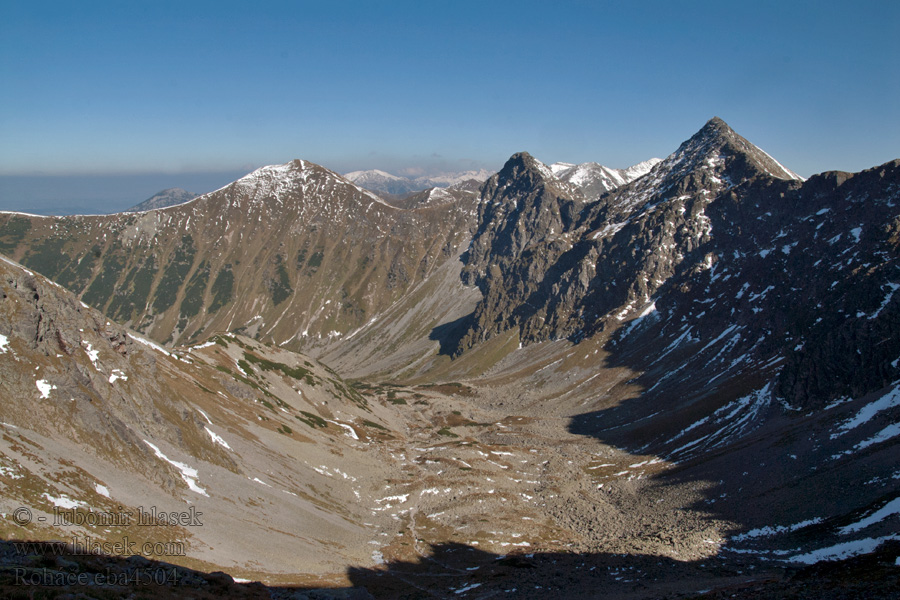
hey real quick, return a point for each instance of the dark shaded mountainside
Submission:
(702, 364)
(722, 254)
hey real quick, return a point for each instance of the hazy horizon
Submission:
(99, 194)
(110, 87)
(103, 193)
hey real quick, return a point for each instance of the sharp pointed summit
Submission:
(717, 126)
(523, 172)
(718, 145)
(520, 162)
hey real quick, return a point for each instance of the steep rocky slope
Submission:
(241, 435)
(611, 253)
(719, 247)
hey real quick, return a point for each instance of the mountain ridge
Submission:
(701, 167)
(172, 279)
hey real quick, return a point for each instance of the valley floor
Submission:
(482, 494)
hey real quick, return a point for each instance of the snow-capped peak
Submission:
(371, 175)
(595, 179)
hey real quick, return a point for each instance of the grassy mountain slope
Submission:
(290, 254)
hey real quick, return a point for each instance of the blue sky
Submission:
(184, 87)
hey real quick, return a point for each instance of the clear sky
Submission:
(192, 86)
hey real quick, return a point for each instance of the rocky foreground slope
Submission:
(690, 382)
(98, 419)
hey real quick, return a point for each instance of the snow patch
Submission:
(884, 435)
(401, 498)
(893, 288)
(843, 550)
(891, 508)
(116, 375)
(649, 311)
(608, 230)
(351, 433)
(217, 439)
(769, 531)
(10, 471)
(63, 502)
(44, 387)
(92, 354)
(188, 474)
(886, 402)
(734, 420)
(153, 345)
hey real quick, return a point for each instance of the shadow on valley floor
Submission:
(750, 462)
(461, 571)
(455, 571)
(449, 335)
(735, 454)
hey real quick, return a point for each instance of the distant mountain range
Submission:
(591, 178)
(594, 179)
(169, 197)
(382, 182)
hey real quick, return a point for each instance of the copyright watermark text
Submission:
(90, 546)
(133, 577)
(149, 517)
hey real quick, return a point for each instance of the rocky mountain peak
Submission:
(718, 147)
(298, 185)
(523, 202)
(522, 209)
(524, 169)
(524, 177)
(612, 259)
(717, 127)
